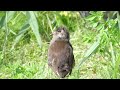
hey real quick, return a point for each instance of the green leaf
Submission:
(34, 26)
(2, 13)
(114, 13)
(2, 21)
(49, 22)
(12, 32)
(10, 15)
(95, 24)
(118, 19)
(24, 28)
(112, 54)
(90, 51)
(91, 17)
(92, 12)
(100, 26)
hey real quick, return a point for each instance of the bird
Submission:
(60, 53)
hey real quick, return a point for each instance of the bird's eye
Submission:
(59, 30)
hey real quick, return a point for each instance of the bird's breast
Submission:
(58, 46)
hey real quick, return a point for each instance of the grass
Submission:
(28, 61)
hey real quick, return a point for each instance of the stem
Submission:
(5, 39)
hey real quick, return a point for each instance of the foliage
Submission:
(107, 38)
(25, 37)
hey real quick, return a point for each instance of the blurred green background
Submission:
(25, 37)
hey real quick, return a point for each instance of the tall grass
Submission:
(25, 37)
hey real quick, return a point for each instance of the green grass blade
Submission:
(116, 69)
(112, 54)
(90, 51)
(91, 17)
(10, 15)
(24, 28)
(11, 31)
(2, 21)
(20, 34)
(118, 17)
(34, 26)
(49, 23)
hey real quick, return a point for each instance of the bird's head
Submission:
(61, 34)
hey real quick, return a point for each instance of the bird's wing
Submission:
(71, 55)
(50, 58)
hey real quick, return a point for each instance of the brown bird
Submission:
(60, 53)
